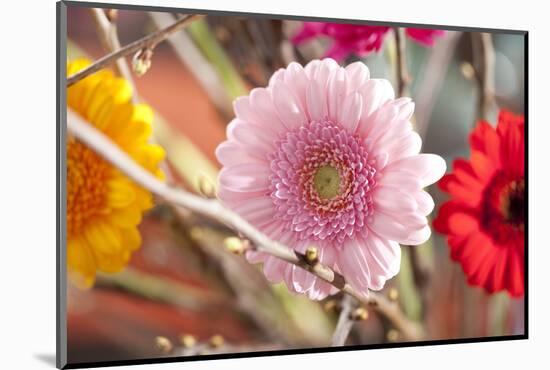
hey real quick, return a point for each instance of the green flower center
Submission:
(327, 182)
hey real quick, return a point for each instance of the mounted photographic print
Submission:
(235, 184)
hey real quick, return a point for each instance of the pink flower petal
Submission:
(247, 177)
(351, 112)
(230, 153)
(387, 227)
(384, 257)
(274, 269)
(260, 101)
(425, 202)
(250, 136)
(337, 88)
(418, 237)
(288, 107)
(427, 167)
(296, 79)
(395, 178)
(393, 200)
(259, 210)
(375, 93)
(358, 73)
(353, 261)
(316, 101)
(403, 147)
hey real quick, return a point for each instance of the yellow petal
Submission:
(143, 113)
(121, 193)
(107, 248)
(121, 117)
(121, 91)
(144, 199)
(126, 217)
(100, 117)
(149, 156)
(102, 238)
(131, 238)
(80, 263)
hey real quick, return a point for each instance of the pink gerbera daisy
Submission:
(358, 39)
(326, 156)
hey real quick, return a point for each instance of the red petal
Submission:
(464, 173)
(479, 275)
(446, 210)
(515, 276)
(479, 250)
(483, 167)
(484, 138)
(444, 182)
(462, 224)
(511, 129)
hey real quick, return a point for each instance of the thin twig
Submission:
(484, 64)
(422, 275)
(107, 32)
(403, 77)
(148, 42)
(345, 323)
(213, 209)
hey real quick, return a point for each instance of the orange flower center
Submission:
(503, 212)
(86, 186)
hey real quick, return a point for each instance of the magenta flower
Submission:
(358, 39)
(326, 156)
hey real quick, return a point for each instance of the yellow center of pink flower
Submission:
(327, 182)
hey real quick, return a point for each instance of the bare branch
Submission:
(148, 42)
(403, 77)
(422, 275)
(484, 64)
(107, 32)
(345, 323)
(213, 209)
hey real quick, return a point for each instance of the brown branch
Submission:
(484, 64)
(422, 275)
(345, 323)
(148, 42)
(403, 77)
(107, 32)
(213, 209)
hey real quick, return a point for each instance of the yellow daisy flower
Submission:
(104, 207)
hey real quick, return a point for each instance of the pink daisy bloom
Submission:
(358, 39)
(326, 156)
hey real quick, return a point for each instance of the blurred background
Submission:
(183, 286)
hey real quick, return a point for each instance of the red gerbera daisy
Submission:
(485, 219)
